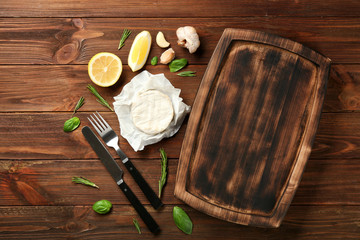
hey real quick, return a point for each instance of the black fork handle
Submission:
(140, 209)
(144, 186)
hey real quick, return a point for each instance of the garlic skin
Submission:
(188, 38)
(167, 56)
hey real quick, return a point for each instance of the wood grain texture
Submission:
(21, 137)
(58, 88)
(312, 8)
(183, 9)
(80, 222)
(342, 94)
(329, 182)
(48, 182)
(76, 40)
(331, 142)
(44, 49)
(41, 136)
(251, 128)
(135, 8)
(343, 91)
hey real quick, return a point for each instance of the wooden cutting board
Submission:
(251, 128)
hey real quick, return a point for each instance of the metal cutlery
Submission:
(111, 139)
(117, 173)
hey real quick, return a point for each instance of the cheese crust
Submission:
(152, 111)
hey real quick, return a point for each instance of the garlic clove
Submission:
(167, 56)
(161, 41)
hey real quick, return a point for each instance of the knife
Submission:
(117, 173)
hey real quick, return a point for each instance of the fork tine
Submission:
(103, 120)
(99, 121)
(95, 124)
(99, 132)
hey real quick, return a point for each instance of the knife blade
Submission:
(113, 168)
(117, 173)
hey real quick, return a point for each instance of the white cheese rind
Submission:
(152, 111)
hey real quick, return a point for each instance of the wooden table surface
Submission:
(44, 50)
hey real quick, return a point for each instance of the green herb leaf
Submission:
(79, 104)
(163, 161)
(182, 220)
(100, 99)
(187, 74)
(177, 64)
(102, 206)
(137, 226)
(154, 60)
(84, 181)
(126, 33)
(71, 124)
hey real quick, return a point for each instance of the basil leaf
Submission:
(154, 60)
(71, 124)
(182, 220)
(102, 206)
(177, 64)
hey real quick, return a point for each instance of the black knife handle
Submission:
(144, 186)
(143, 213)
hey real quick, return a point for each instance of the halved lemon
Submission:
(139, 51)
(105, 69)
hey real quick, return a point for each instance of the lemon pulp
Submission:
(105, 69)
(139, 51)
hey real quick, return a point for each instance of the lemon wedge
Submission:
(139, 51)
(105, 69)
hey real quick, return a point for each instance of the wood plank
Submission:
(337, 137)
(313, 8)
(41, 136)
(183, 9)
(61, 86)
(135, 8)
(80, 222)
(343, 90)
(75, 41)
(329, 182)
(48, 182)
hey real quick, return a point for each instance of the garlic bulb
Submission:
(188, 38)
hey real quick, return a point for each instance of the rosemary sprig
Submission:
(126, 33)
(162, 180)
(100, 99)
(84, 181)
(137, 226)
(187, 74)
(79, 104)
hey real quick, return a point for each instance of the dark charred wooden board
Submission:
(251, 128)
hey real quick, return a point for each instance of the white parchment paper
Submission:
(122, 106)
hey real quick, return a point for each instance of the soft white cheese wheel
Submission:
(152, 111)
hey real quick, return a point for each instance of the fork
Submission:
(111, 139)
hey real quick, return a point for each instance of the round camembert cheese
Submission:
(152, 111)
